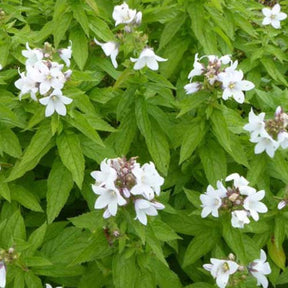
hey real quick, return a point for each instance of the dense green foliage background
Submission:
(46, 201)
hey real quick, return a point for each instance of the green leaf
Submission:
(277, 254)
(220, 129)
(61, 25)
(213, 160)
(101, 29)
(25, 198)
(4, 188)
(9, 143)
(36, 261)
(32, 281)
(200, 246)
(229, 235)
(162, 231)
(124, 271)
(80, 46)
(80, 15)
(192, 139)
(39, 145)
(165, 277)
(192, 102)
(91, 220)
(59, 184)
(279, 232)
(80, 122)
(8, 117)
(37, 237)
(71, 155)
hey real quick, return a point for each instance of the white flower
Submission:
(49, 286)
(27, 85)
(258, 268)
(2, 275)
(239, 218)
(273, 16)
(198, 68)
(148, 181)
(283, 139)
(233, 85)
(192, 87)
(65, 54)
(256, 125)
(49, 75)
(144, 207)
(265, 143)
(33, 55)
(1, 67)
(138, 18)
(123, 15)
(238, 180)
(110, 198)
(106, 176)
(221, 270)
(253, 205)
(211, 200)
(55, 102)
(110, 49)
(147, 58)
(282, 204)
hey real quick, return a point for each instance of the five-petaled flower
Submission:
(273, 16)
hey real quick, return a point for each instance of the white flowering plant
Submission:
(143, 141)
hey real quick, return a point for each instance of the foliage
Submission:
(46, 201)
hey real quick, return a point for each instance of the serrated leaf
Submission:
(91, 220)
(37, 237)
(9, 143)
(277, 254)
(80, 122)
(162, 231)
(61, 25)
(59, 184)
(213, 160)
(36, 261)
(39, 145)
(80, 46)
(80, 15)
(32, 281)
(192, 139)
(25, 198)
(200, 246)
(71, 155)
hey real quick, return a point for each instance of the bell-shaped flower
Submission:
(192, 87)
(27, 85)
(273, 16)
(148, 181)
(238, 180)
(256, 125)
(2, 275)
(211, 200)
(49, 286)
(110, 49)
(282, 139)
(55, 102)
(107, 176)
(65, 54)
(239, 218)
(265, 143)
(147, 58)
(49, 75)
(122, 14)
(233, 85)
(259, 268)
(109, 198)
(198, 68)
(254, 206)
(221, 270)
(144, 207)
(33, 55)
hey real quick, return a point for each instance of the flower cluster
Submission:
(122, 14)
(268, 134)
(241, 200)
(222, 269)
(273, 16)
(217, 73)
(45, 78)
(121, 181)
